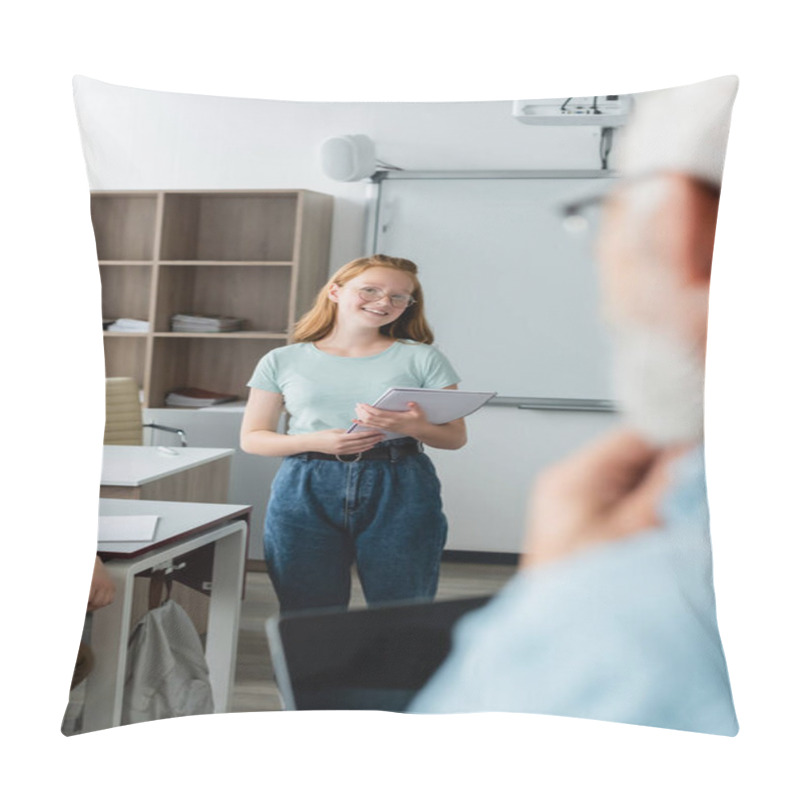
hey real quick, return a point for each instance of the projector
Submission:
(605, 111)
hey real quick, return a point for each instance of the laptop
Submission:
(375, 658)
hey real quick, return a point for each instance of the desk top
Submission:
(177, 520)
(134, 465)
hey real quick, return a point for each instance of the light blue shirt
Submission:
(321, 390)
(623, 632)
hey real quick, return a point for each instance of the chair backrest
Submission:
(123, 412)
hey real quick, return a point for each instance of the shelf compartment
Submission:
(124, 225)
(125, 290)
(126, 356)
(229, 226)
(258, 295)
(217, 263)
(213, 363)
(282, 336)
(257, 255)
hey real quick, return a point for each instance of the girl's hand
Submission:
(407, 423)
(338, 442)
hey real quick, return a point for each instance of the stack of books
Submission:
(191, 397)
(204, 323)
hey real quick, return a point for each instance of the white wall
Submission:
(138, 139)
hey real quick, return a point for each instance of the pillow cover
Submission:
(564, 247)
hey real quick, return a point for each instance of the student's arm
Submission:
(259, 434)
(448, 436)
(101, 592)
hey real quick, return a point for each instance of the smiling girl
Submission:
(342, 498)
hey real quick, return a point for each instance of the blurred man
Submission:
(612, 615)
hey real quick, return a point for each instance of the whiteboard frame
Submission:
(377, 180)
(371, 244)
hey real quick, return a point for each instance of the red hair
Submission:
(317, 323)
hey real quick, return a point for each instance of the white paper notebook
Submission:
(127, 528)
(439, 405)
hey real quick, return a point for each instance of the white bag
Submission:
(167, 673)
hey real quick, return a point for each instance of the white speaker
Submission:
(348, 158)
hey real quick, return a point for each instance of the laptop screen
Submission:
(376, 658)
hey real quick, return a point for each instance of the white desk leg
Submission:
(109, 642)
(223, 614)
(111, 625)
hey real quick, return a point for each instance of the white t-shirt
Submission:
(321, 390)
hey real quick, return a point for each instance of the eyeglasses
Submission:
(373, 293)
(573, 214)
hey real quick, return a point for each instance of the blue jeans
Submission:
(383, 516)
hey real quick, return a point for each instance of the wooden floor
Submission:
(255, 688)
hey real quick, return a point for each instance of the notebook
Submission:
(439, 405)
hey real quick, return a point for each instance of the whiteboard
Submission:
(511, 295)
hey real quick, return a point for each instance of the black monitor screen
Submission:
(376, 658)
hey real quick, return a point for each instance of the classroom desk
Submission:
(192, 474)
(182, 528)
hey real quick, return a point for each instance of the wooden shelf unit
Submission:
(258, 255)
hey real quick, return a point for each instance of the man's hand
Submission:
(608, 490)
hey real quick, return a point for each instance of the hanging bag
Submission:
(167, 674)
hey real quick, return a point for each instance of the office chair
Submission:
(124, 415)
(124, 426)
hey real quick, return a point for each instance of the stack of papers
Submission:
(205, 323)
(191, 397)
(127, 528)
(127, 325)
